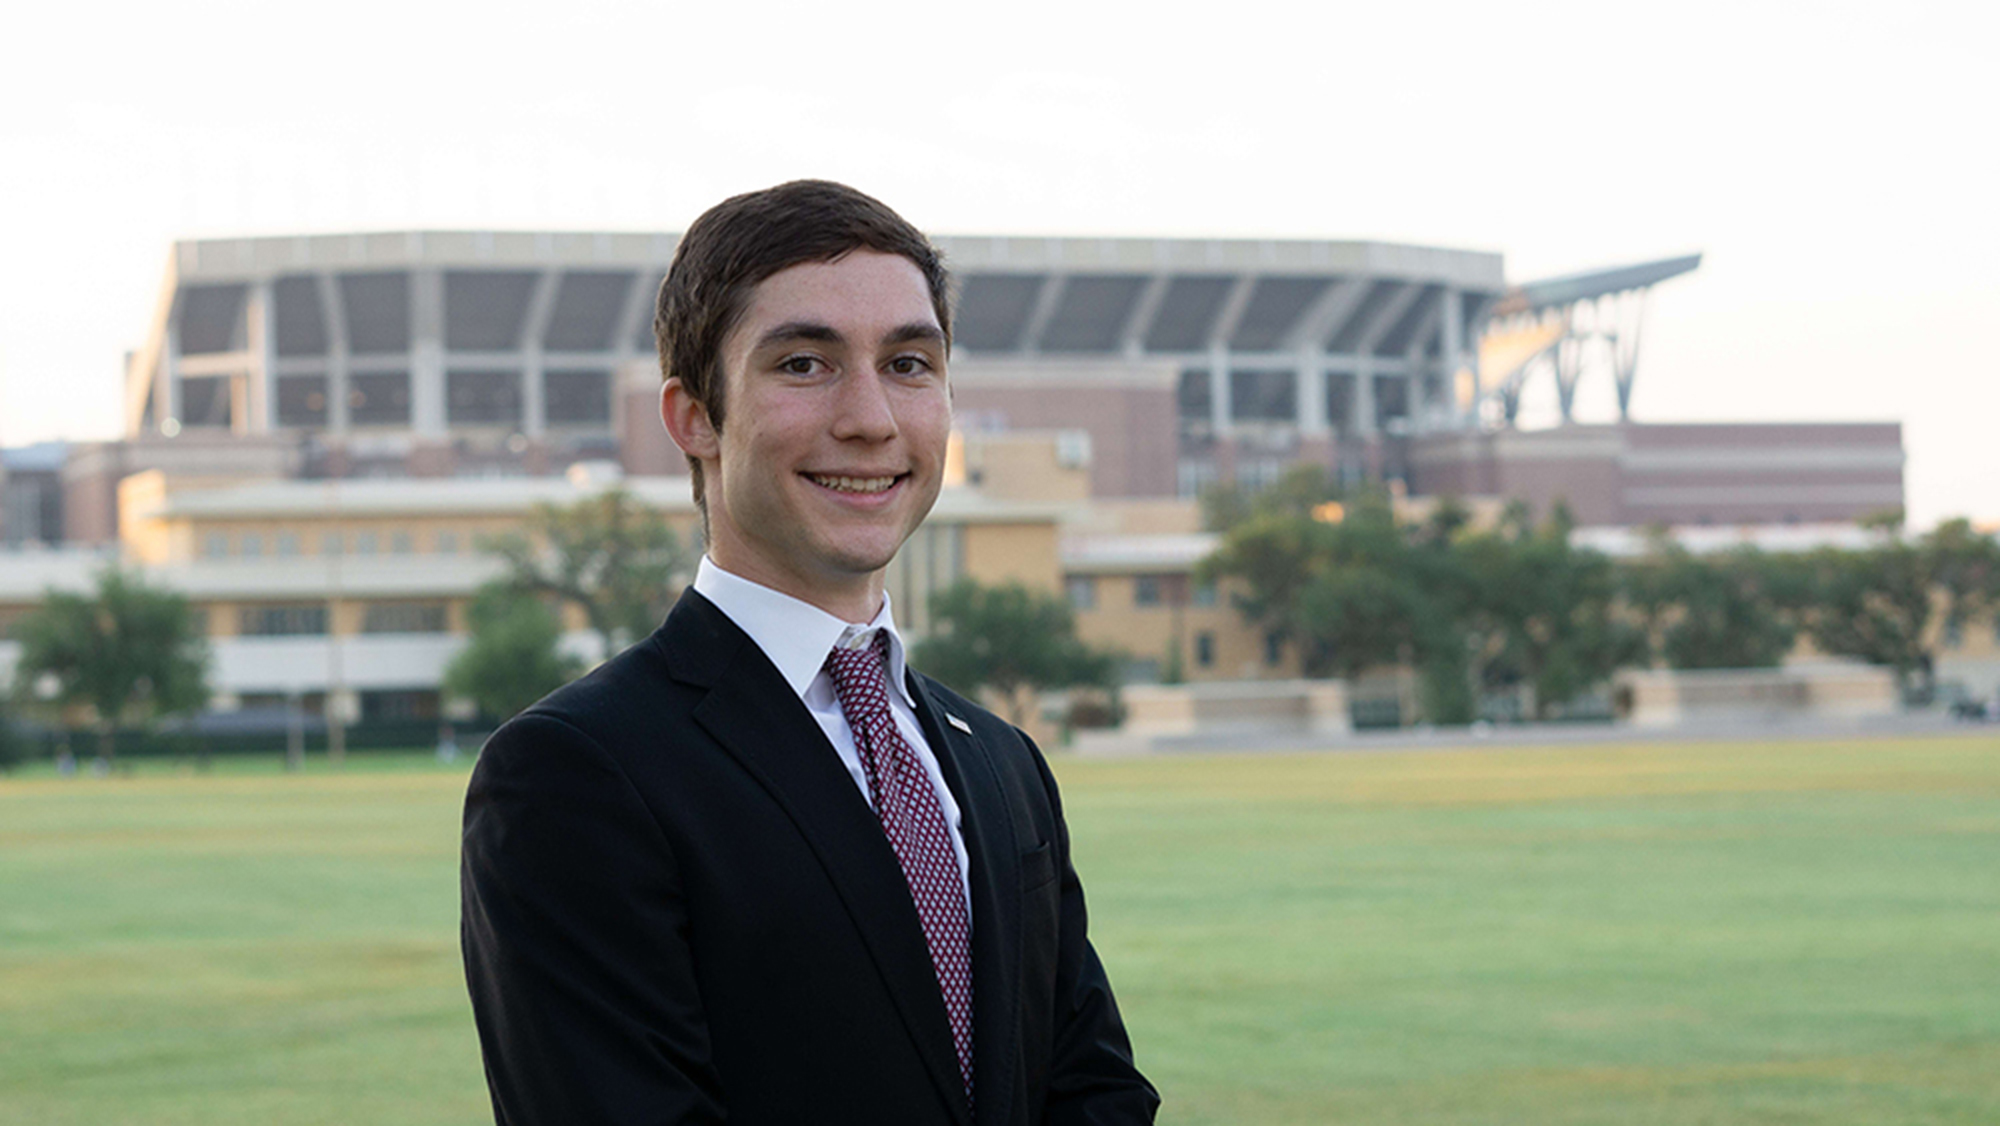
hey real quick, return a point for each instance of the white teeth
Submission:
(854, 484)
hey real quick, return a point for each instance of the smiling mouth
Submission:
(854, 484)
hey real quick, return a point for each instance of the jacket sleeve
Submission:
(575, 939)
(1092, 1078)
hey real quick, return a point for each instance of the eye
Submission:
(909, 365)
(805, 364)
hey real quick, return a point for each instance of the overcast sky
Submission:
(1835, 162)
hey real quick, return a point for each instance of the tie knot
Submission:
(857, 673)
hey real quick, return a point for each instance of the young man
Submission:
(754, 869)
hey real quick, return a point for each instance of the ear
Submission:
(687, 422)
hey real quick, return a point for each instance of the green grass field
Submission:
(1756, 933)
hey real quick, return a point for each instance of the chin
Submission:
(858, 559)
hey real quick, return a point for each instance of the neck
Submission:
(851, 598)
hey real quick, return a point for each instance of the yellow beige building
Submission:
(356, 590)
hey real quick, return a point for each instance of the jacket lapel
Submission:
(993, 855)
(754, 715)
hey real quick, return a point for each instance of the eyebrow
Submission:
(915, 330)
(792, 331)
(799, 330)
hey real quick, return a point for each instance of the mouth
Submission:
(860, 486)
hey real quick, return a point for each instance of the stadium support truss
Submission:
(1569, 329)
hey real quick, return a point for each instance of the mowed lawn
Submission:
(1789, 932)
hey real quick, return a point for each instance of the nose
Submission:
(862, 409)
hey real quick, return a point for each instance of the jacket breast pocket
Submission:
(1038, 866)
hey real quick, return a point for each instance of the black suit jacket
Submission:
(678, 908)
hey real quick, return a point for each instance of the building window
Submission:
(1274, 647)
(1073, 449)
(1192, 478)
(1144, 670)
(1148, 590)
(214, 545)
(1263, 396)
(379, 398)
(577, 397)
(205, 401)
(1082, 592)
(1194, 394)
(365, 543)
(297, 620)
(1204, 594)
(252, 546)
(288, 543)
(302, 400)
(1204, 649)
(1259, 474)
(403, 617)
(378, 311)
(446, 543)
(492, 397)
(300, 319)
(401, 543)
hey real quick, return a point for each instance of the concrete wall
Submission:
(1817, 690)
(1162, 713)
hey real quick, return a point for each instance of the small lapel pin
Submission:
(958, 723)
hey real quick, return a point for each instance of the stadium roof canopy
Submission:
(1568, 289)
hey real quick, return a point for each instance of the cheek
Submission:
(929, 419)
(766, 441)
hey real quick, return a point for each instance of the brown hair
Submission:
(741, 241)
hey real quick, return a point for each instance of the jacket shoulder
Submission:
(607, 699)
(651, 685)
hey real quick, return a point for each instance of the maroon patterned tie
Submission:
(914, 820)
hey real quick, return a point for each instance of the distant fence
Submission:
(39, 743)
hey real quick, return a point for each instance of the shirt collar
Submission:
(797, 635)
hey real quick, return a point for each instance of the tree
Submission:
(511, 660)
(1874, 605)
(128, 652)
(1545, 614)
(13, 748)
(1300, 491)
(1353, 589)
(1727, 611)
(1364, 604)
(610, 554)
(1008, 638)
(1878, 604)
(1964, 565)
(1354, 617)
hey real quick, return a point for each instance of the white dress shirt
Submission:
(797, 636)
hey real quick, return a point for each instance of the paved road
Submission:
(1916, 725)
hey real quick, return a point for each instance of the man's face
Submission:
(836, 418)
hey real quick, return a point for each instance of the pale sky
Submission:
(1835, 162)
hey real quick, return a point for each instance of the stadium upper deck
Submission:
(427, 335)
